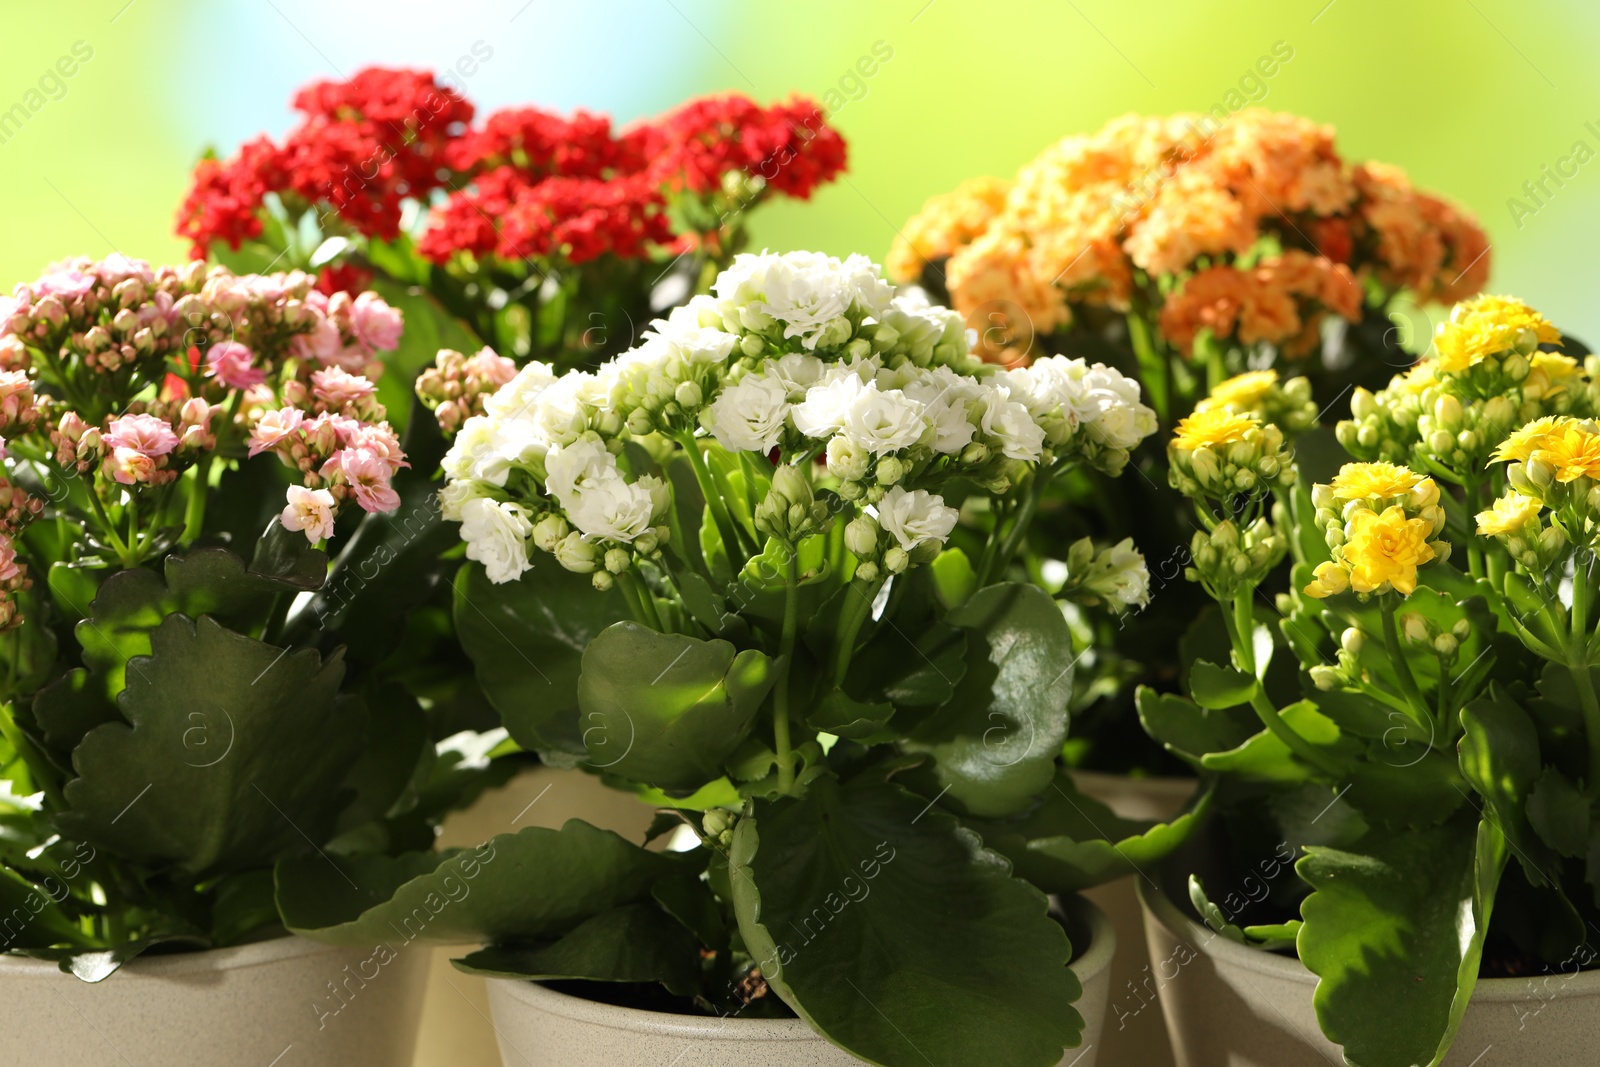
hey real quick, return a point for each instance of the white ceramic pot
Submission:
(539, 1027)
(1135, 1033)
(1229, 1005)
(288, 1002)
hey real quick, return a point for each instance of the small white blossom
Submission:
(497, 536)
(915, 518)
(749, 416)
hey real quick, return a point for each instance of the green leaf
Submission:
(1401, 789)
(954, 580)
(535, 884)
(33, 918)
(71, 706)
(1269, 938)
(1267, 759)
(233, 754)
(664, 709)
(1499, 754)
(892, 930)
(907, 673)
(1217, 687)
(1560, 814)
(995, 741)
(526, 640)
(1190, 731)
(633, 943)
(840, 714)
(1395, 935)
(285, 558)
(1072, 842)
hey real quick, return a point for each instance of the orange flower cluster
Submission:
(1254, 228)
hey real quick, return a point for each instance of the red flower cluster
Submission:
(787, 145)
(364, 146)
(528, 183)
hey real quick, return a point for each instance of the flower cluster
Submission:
(1221, 453)
(794, 359)
(132, 375)
(1115, 576)
(1486, 375)
(1285, 404)
(455, 387)
(1253, 229)
(1382, 522)
(526, 183)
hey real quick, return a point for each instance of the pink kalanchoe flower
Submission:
(230, 363)
(131, 466)
(273, 427)
(66, 282)
(144, 434)
(367, 474)
(9, 570)
(336, 387)
(322, 343)
(375, 324)
(310, 510)
(491, 366)
(381, 439)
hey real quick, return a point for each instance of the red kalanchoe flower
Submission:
(540, 144)
(790, 145)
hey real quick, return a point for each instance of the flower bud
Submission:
(575, 554)
(1324, 677)
(896, 559)
(1415, 627)
(861, 536)
(1352, 641)
(617, 560)
(688, 394)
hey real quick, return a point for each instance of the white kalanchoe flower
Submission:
(884, 421)
(916, 518)
(497, 536)
(583, 462)
(827, 404)
(614, 509)
(1010, 425)
(749, 416)
(516, 398)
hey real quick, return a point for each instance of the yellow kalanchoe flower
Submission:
(1528, 439)
(1509, 514)
(1385, 549)
(1211, 428)
(1485, 326)
(1374, 481)
(1242, 392)
(1572, 451)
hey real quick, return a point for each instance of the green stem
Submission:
(1583, 679)
(640, 602)
(996, 566)
(851, 617)
(108, 527)
(1474, 548)
(714, 503)
(1241, 632)
(194, 515)
(1244, 627)
(1397, 656)
(780, 700)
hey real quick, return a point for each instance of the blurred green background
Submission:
(1474, 98)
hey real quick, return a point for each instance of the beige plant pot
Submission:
(1229, 1005)
(1135, 1033)
(288, 1002)
(539, 1027)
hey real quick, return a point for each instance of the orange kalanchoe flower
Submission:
(1227, 211)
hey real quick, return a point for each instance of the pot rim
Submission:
(178, 964)
(1087, 966)
(1165, 786)
(1160, 906)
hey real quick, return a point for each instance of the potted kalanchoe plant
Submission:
(184, 447)
(725, 572)
(1185, 249)
(1428, 760)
